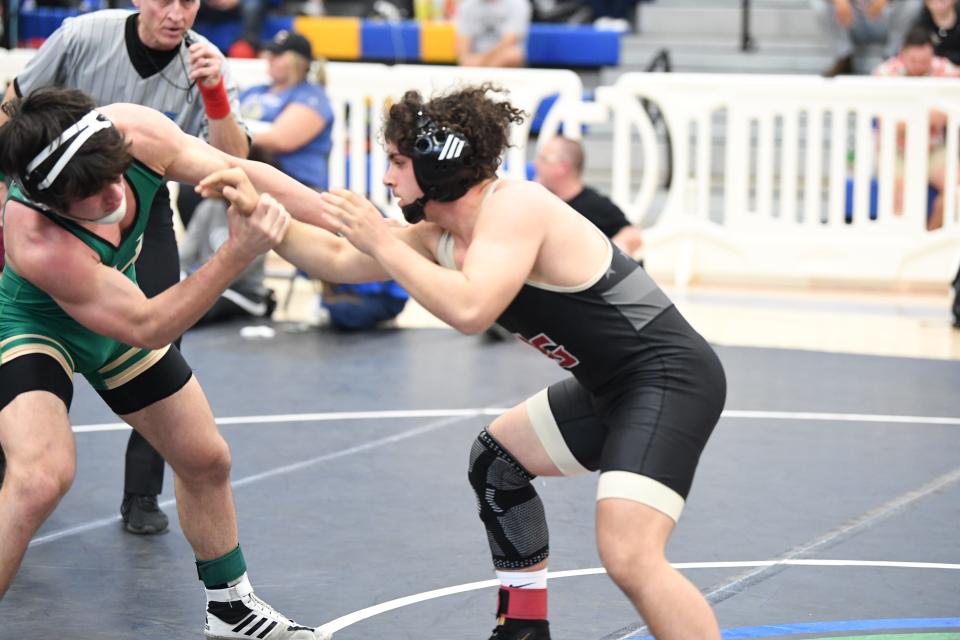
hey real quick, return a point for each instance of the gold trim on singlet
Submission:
(136, 254)
(116, 362)
(32, 348)
(138, 368)
(63, 356)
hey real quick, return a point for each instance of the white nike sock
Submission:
(523, 579)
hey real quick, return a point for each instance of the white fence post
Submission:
(760, 234)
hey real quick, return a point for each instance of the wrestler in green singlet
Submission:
(31, 322)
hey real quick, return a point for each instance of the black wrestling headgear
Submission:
(443, 165)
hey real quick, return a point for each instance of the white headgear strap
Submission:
(79, 133)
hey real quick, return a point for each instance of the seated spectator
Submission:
(916, 60)
(360, 307)
(559, 165)
(294, 113)
(848, 23)
(247, 296)
(939, 17)
(492, 33)
(363, 306)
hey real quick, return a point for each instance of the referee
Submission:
(148, 57)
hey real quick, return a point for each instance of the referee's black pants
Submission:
(158, 269)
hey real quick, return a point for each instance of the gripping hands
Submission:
(257, 223)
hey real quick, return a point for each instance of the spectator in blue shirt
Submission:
(364, 306)
(294, 113)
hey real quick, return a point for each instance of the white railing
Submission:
(761, 164)
(772, 205)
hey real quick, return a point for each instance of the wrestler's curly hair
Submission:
(472, 112)
(40, 117)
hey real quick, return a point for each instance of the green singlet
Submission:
(31, 322)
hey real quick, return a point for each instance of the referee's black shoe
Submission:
(142, 515)
(515, 629)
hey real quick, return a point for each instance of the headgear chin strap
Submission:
(443, 165)
(75, 135)
(413, 213)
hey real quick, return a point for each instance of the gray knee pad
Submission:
(509, 506)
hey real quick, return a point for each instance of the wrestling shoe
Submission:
(516, 629)
(250, 617)
(142, 515)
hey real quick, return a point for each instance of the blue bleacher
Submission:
(564, 45)
(393, 42)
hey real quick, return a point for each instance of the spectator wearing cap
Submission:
(293, 113)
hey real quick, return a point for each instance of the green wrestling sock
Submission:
(221, 572)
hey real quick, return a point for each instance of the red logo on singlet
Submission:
(552, 350)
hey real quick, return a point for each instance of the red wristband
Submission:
(215, 100)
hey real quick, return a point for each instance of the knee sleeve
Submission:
(509, 506)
